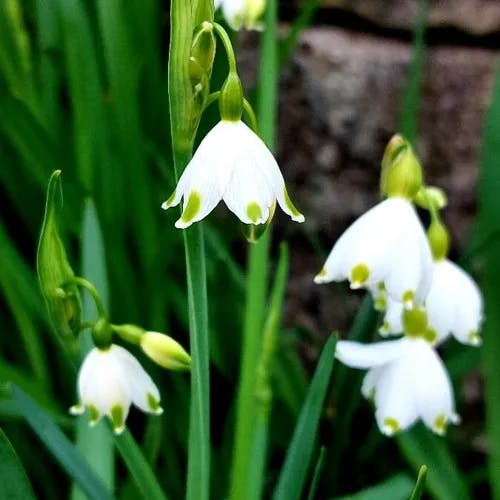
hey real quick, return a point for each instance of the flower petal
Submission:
(357, 355)
(433, 390)
(393, 319)
(144, 393)
(394, 399)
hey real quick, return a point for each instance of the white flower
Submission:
(454, 304)
(393, 319)
(232, 163)
(385, 245)
(407, 381)
(109, 381)
(242, 13)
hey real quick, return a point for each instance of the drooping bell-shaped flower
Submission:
(406, 380)
(232, 164)
(385, 245)
(109, 381)
(386, 248)
(454, 304)
(242, 14)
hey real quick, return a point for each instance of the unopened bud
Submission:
(165, 351)
(54, 271)
(203, 46)
(428, 195)
(231, 98)
(401, 171)
(439, 239)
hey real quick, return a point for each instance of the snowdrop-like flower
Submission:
(241, 14)
(232, 163)
(454, 304)
(406, 380)
(109, 381)
(385, 245)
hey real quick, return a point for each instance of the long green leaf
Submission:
(420, 484)
(138, 466)
(263, 392)
(14, 483)
(444, 481)
(488, 224)
(59, 445)
(395, 488)
(95, 444)
(293, 474)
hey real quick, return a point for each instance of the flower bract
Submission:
(387, 245)
(109, 381)
(406, 380)
(232, 163)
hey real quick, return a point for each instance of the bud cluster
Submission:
(110, 378)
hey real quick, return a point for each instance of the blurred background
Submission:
(83, 88)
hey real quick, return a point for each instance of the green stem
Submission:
(92, 290)
(180, 101)
(251, 116)
(228, 47)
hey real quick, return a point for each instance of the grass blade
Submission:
(95, 444)
(419, 486)
(489, 224)
(444, 481)
(138, 467)
(395, 488)
(59, 446)
(294, 471)
(317, 473)
(14, 483)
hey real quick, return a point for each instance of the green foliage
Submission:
(84, 89)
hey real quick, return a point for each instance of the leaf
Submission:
(419, 486)
(395, 488)
(420, 446)
(58, 445)
(55, 272)
(14, 483)
(293, 474)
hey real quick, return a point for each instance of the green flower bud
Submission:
(54, 271)
(231, 98)
(431, 194)
(401, 171)
(203, 46)
(102, 333)
(165, 351)
(439, 239)
(129, 333)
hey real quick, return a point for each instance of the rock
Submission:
(477, 17)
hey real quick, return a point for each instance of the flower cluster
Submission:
(424, 296)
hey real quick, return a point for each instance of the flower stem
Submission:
(180, 100)
(92, 290)
(228, 46)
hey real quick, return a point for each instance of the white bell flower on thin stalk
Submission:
(454, 304)
(233, 164)
(242, 14)
(385, 245)
(406, 380)
(109, 381)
